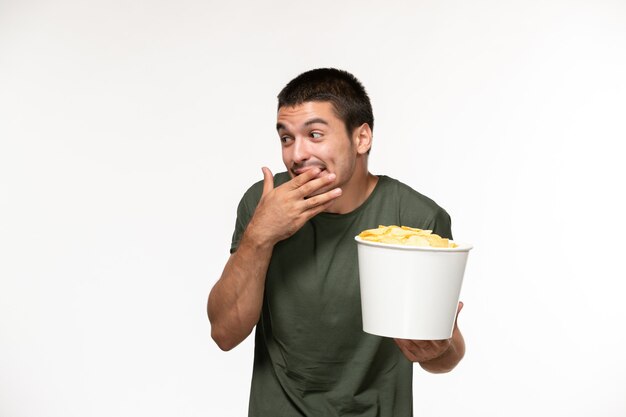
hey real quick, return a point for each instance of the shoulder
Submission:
(415, 208)
(409, 196)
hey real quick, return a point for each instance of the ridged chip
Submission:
(405, 235)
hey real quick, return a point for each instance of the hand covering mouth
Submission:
(300, 169)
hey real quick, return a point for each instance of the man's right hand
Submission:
(283, 210)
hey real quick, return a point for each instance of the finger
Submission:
(406, 352)
(268, 180)
(416, 348)
(305, 177)
(424, 350)
(315, 184)
(459, 308)
(312, 212)
(419, 350)
(324, 198)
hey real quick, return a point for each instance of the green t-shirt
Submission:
(312, 357)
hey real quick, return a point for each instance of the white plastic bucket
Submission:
(410, 292)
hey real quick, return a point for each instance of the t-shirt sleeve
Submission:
(417, 210)
(243, 217)
(441, 224)
(245, 210)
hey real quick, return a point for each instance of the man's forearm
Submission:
(235, 302)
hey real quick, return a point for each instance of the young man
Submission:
(293, 269)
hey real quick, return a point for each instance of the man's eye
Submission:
(285, 139)
(316, 135)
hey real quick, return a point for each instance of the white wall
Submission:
(130, 129)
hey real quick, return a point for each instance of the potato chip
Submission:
(405, 235)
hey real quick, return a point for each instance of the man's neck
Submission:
(358, 191)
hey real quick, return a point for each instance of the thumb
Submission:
(268, 180)
(458, 311)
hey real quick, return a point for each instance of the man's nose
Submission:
(300, 150)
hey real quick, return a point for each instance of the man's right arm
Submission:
(235, 302)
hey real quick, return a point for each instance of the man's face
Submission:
(312, 135)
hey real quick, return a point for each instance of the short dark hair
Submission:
(340, 88)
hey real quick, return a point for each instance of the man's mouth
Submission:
(302, 170)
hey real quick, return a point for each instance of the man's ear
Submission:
(363, 138)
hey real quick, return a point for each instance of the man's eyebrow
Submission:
(280, 126)
(316, 120)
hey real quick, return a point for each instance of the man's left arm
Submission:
(436, 356)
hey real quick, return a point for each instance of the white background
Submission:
(130, 129)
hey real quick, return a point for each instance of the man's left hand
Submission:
(429, 350)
